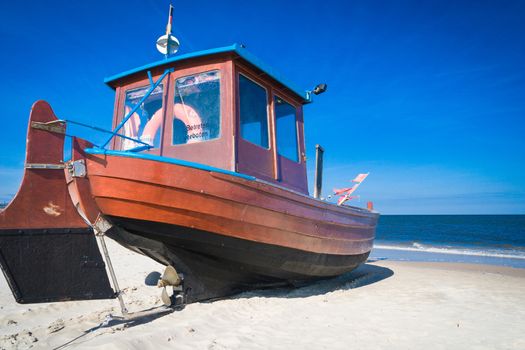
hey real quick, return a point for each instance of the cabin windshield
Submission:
(145, 123)
(286, 129)
(196, 108)
(253, 112)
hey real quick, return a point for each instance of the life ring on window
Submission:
(191, 120)
(131, 129)
(184, 113)
(151, 128)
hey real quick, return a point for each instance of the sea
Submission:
(477, 239)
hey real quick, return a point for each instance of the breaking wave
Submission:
(493, 253)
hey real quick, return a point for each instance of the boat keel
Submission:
(213, 267)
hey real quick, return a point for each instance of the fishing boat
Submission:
(204, 171)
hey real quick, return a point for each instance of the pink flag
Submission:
(341, 191)
(359, 178)
(345, 191)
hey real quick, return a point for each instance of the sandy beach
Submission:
(382, 305)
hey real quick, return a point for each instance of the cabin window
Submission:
(145, 123)
(286, 129)
(253, 112)
(197, 110)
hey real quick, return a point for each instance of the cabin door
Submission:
(255, 155)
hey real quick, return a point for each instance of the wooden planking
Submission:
(228, 187)
(233, 228)
(195, 198)
(207, 203)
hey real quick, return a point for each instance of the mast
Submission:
(168, 44)
(168, 31)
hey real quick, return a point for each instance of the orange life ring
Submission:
(191, 119)
(151, 128)
(131, 129)
(184, 113)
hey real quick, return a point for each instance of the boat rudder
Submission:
(47, 252)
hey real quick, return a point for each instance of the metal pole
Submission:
(168, 32)
(112, 274)
(319, 151)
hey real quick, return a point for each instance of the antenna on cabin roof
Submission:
(168, 44)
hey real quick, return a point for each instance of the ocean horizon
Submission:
(481, 239)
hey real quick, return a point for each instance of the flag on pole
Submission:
(360, 178)
(346, 193)
(340, 191)
(343, 191)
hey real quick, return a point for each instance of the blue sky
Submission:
(427, 96)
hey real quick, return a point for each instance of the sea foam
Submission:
(494, 253)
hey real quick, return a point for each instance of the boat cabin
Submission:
(222, 108)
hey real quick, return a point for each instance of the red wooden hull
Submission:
(227, 205)
(225, 233)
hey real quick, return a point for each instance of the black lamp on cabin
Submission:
(317, 90)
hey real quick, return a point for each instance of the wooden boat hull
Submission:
(225, 232)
